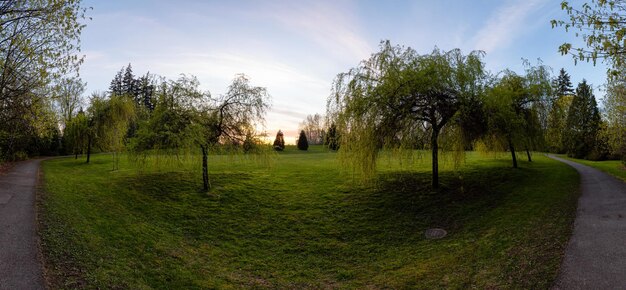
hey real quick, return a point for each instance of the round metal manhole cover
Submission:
(435, 233)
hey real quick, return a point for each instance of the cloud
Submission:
(330, 25)
(505, 24)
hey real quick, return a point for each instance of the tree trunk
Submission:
(512, 149)
(205, 169)
(434, 148)
(528, 155)
(88, 148)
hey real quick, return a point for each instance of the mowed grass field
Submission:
(297, 221)
(613, 167)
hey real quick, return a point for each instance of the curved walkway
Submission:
(595, 257)
(19, 264)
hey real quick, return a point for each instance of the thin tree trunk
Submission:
(528, 155)
(88, 148)
(434, 148)
(512, 149)
(205, 169)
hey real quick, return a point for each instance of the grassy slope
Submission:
(300, 225)
(613, 167)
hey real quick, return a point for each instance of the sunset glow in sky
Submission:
(296, 48)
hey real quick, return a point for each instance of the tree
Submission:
(332, 138)
(583, 123)
(116, 87)
(558, 111)
(313, 127)
(108, 123)
(39, 42)
(513, 106)
(395, 92)
(68, 97)
(279, 141)
(185, 117)
(615, 108)
(75, 134)
(602, 26)
(302, 143)
(229, 118)
(563, 84)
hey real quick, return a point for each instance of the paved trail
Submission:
(595, 257)
(19, 264)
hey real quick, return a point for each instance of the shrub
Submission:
(279, 142)
(303, 143)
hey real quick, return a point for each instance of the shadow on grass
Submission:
(172, 185)
(401, 205)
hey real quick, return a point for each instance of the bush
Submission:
(332, 138)
(279, 142)
(303, 143)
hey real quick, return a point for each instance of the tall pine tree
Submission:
(583, 123)
(115, 89)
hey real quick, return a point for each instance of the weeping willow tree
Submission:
(513, 105)
(108, 123)
(398, 94)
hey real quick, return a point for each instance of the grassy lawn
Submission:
(298, 222)
(613, 167)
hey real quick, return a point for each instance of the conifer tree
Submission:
(332, 139)
(279, 142)
(115, 88)
(303, 143)
(583, 123)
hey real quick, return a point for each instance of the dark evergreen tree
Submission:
(583, 123)
(146, 92)
(128, 81)
(332, 138)
(303, 143)
(115, 89)
(563, 84)
(279, 142)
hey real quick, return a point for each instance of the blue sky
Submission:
(296, 48)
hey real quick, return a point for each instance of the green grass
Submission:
(300, 223)
(613, 167)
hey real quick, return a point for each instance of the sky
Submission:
(296, 48)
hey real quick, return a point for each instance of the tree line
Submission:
(400, 99)
(149, 113)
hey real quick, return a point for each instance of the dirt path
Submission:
(19, 264)
(595, 257)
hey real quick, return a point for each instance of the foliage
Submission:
(332, 138)
(140, 89)
(68, 97)
(76, 134)
(558, 106)
(583, 123)
(302, 142)
(185, 116)
(170, 125)
(615, 109)
(396, 94)
(313, 126)
(601, 25)
(279, 141)
(39, 41)
(513, 106)
(108, 123)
